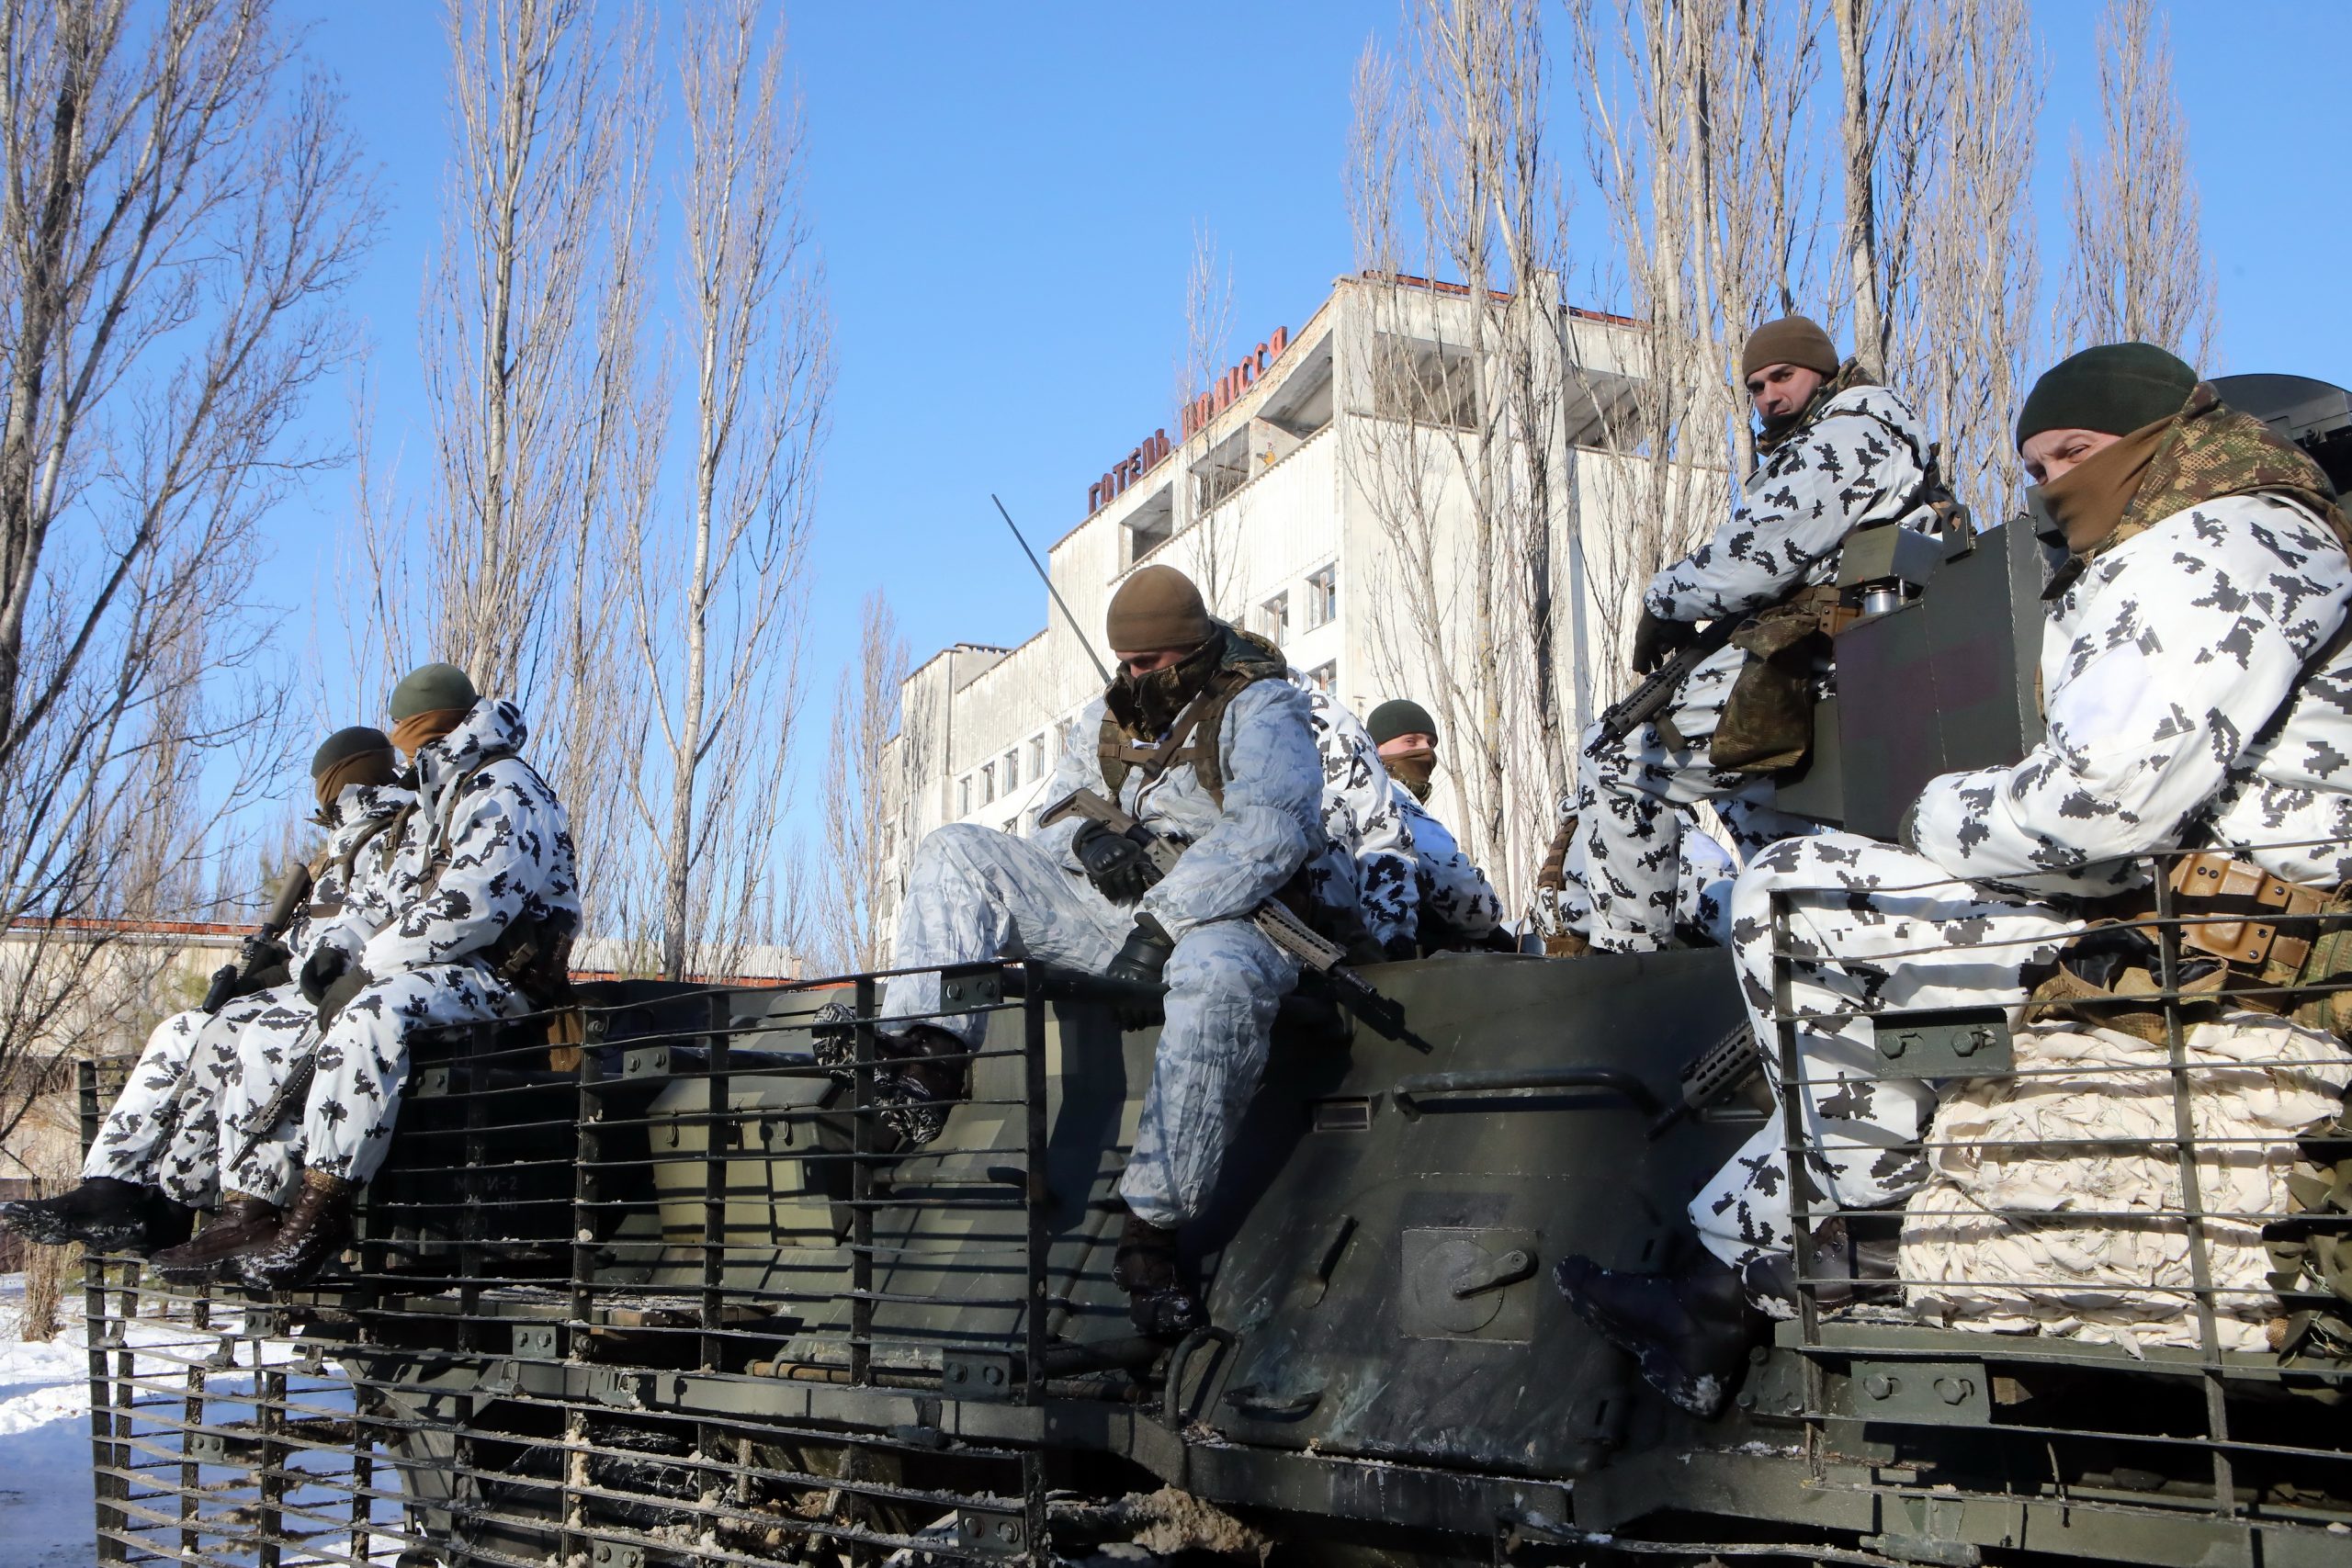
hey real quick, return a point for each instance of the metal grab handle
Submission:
(1250, 1400)
(1408, 1091)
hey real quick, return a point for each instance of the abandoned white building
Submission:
(1321, 493)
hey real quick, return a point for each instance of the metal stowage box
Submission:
(1943, 685)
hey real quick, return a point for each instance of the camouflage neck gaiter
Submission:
(1146, 705)
(1416, 770)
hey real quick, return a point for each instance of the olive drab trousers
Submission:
(164, 1128)
(977, 894)
(1869, 928)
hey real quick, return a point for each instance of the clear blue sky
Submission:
(1006, 195)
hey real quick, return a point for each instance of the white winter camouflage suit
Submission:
(149, 1140)
(1365, 870)
(978, 894)
(2162, 667)
(509, 855)
(1457, 902)
(1860, 462)
(1702, 878)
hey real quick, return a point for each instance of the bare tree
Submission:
(718, 591)
(502, 561)
(863, 794)
(2139, 268)
(1461, 463)
(181, 209)
(1979, 276)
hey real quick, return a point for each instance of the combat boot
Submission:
(925, 1079)
(1690, 1332)
(245, 1222)
(312, 1233)
(1145, 1266)
(103, 1214)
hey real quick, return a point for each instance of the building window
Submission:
(1323, 597)
(1013, 770)
(1273, 618)
(1323, 674)
(988, 783)
(1038, 756)
(963, 797)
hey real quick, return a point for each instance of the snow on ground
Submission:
(47, 1508)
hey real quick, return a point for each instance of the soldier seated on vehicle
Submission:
(1363, 884)
(160, 1145)
(2196, 671)
(1458, 906)
(473, 920)
(1838, 454)
(1202, 737)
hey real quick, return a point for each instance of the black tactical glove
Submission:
(1115, 863)
(1141, 960)
(347, 985)
(1399, 949)
(1656, 641)
(321, 969)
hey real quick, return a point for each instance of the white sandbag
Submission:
(1975, 1256)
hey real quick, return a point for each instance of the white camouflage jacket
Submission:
(508, 843)
(1860, 462)
(2179, 711)
(1452, 891)
(1372, 873)
(1270, 824)
(336, 914)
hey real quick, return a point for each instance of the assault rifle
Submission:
(260, 947)
(1285, 929)
(1655, 693)
(1716, 1071)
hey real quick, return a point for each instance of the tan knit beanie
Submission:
(1157, 608)
(1791, 340)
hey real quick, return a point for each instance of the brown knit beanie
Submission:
(1791, 340)
(1156, 609)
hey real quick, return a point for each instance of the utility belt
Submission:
(2248, 941)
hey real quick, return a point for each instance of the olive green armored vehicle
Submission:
(667, 1298)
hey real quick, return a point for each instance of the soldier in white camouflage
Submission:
(163, 1136)
(473, 921)
(1837, 453)
(2197, 677)
(1363, 879)
(1458, 907)
(1202, 737)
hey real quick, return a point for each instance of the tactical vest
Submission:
(1193, 738)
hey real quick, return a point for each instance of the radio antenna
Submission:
(1056, 592)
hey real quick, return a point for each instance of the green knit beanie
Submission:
(344, 744)
(2115, 389)
(1397, 716)
(433, 688)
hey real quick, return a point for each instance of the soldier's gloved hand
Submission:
(1141, 959)
(321, 969)
(1656, 641)
(1115, 863)
(347, 985)
(1399, 949)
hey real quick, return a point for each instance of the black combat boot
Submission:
(311, 1234)
(1145, 1266)
(103, 1214)
(244, 1222)
(1690, 1331)
(924, 1080)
